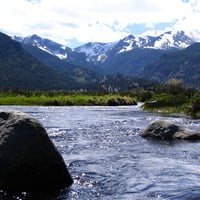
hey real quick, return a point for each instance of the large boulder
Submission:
(167, 130)
(28, 159)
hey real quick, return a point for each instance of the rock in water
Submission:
(28, 159)
(167, 130)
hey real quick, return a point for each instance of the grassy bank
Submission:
(174, 104)
(167, 103)
(61, 99)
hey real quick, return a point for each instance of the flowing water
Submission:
(108, 159)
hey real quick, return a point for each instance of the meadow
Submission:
(64, 99)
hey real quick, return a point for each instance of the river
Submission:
(108, 159)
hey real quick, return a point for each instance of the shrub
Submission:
(194, 105)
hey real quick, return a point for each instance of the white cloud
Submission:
(93, 20)
(190, 20)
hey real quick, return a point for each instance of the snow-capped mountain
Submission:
(126, 56)
(95, 51)
(46, 45)
(164, 41)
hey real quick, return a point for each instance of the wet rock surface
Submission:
(161, 129)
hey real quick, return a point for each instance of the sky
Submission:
(75, 22)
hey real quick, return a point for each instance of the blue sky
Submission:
(74, 22)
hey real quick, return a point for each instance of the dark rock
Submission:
(28, 159)
(168, 130)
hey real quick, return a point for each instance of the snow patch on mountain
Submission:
(164, 41)
(43, 48)
(128, 44)
(95, 51)
(61, 56)
(46, 45)
(194, 34)
(174, 40)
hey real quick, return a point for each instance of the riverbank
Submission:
(62, 99)
(174, 105)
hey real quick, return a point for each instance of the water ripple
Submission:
(109, 160)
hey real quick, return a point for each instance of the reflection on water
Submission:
(109, 160)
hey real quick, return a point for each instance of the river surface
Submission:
(108, 159)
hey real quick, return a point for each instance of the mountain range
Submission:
(126, 56)
(101, 66)
(40, 70)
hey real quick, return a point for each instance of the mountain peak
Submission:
(166, 40)
(46, 45)
(95, 51)
(129, 37)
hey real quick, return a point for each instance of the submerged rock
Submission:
(167, 130)
(28, 159)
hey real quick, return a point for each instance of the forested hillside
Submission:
(19, 69)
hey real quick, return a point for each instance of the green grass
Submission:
(57, 99)
(166, 103)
